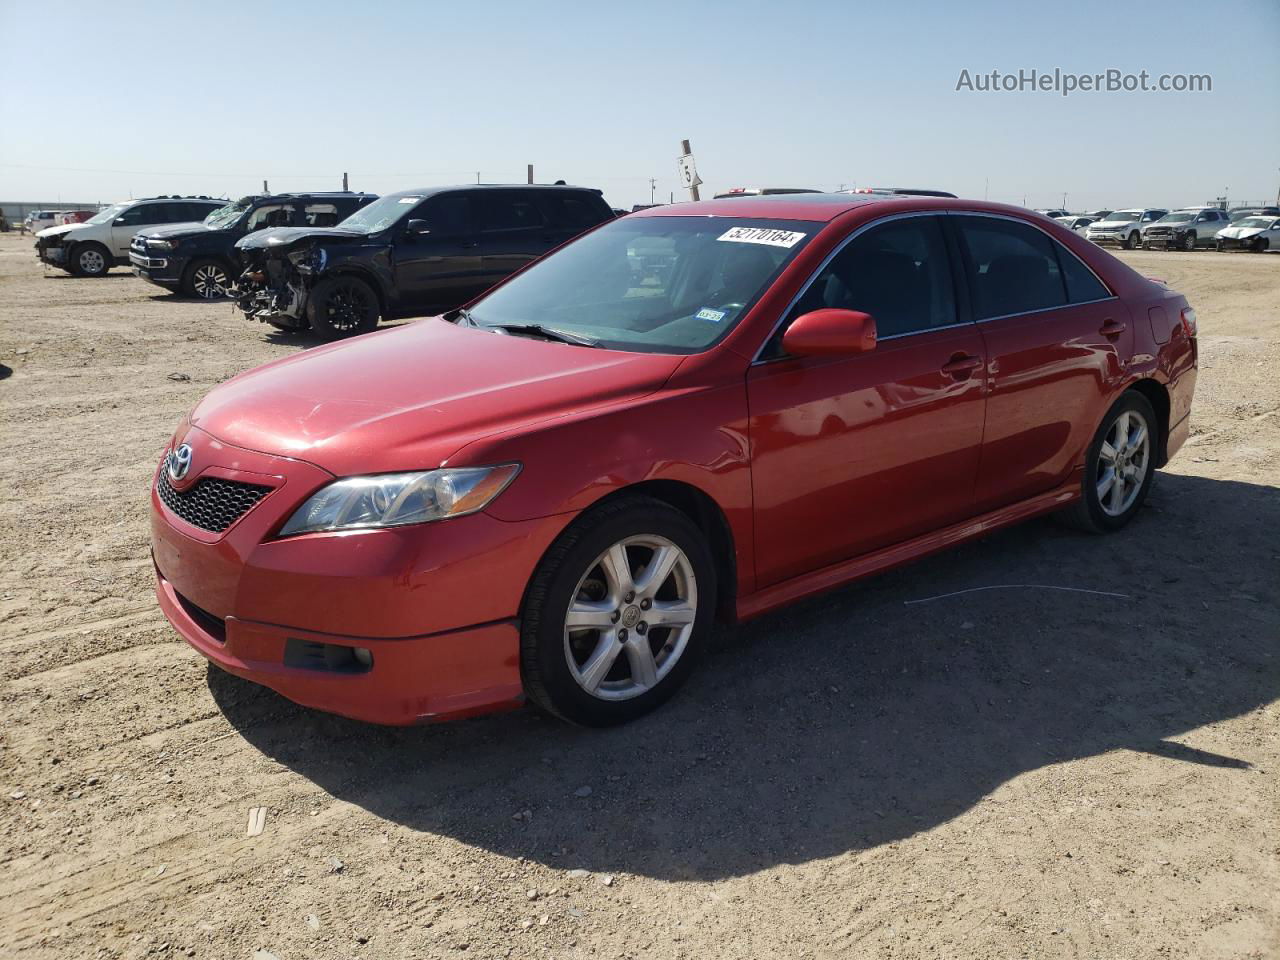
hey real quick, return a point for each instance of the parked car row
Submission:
(700, 411)
(334, 263)
(1189, 228)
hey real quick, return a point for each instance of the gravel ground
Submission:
(1007, 773)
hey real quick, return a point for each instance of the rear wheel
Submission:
(617, 612)
(342, 307)
(206, 279)
(90, 260)
(1119, 466)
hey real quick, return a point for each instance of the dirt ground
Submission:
(1000, 774)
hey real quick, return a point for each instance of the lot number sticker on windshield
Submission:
(772, 238)
(706, 313)
(410, 199)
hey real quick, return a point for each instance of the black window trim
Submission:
(963, 298)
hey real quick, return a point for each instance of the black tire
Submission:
(1131, 240)
(1088, 513)
(342, 306)
(89, 260)
(206, 279)
(1219, 246)
(544, 649)
(1189, 241)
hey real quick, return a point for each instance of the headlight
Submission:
(397, 499)
(162, 244)
(310, 260)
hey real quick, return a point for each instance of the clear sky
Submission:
(104, 101)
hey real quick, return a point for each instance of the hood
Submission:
(1240, 233)
(409, 398)
(278, 237)
(174, 230)
(48, 232)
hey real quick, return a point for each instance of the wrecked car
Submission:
(414, 253)
(199, 259)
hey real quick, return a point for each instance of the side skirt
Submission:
(839, 574)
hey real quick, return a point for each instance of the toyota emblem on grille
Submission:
(179, 462)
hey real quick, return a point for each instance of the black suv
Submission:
(199, 258)
(408, 254)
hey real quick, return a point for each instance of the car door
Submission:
(513, 231)
(127, 224)
(853, 453)
(438, 269)
(1057, 342)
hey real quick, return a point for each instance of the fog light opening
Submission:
(363, 657)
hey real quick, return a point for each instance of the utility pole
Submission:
(1064, 199)
(531, 173)
(345, 188)
(477, 176)
(653, 185)
(265, 188)
(692, 181)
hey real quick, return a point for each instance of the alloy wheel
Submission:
(630, 618)
(1123, 462)
(347, 308)
(209, 282)
(92, 261)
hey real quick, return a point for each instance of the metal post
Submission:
(264, 187)
(693, 190)
(531, 173)
(345, 188)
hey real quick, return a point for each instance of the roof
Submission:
(429, 191)
(821, 207)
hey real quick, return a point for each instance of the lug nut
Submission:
(622, 634)
(641, 627)
(646, 603)
(614, 616)
(630, 596)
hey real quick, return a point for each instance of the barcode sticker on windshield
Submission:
(773, 238)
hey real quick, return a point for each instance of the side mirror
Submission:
(418, 227)
(829, 331)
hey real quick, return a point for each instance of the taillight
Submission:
(1188, 321)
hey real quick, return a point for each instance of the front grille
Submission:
(213, 504)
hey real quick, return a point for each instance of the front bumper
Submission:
(411, 680)
(53, 256)
(1235, 243)
(435, 604)
(164, 270)
(1105, 238)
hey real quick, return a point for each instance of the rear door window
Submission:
(508, 210)
(1012, 267)
(572, 211)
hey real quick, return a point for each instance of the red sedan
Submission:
(698, 411)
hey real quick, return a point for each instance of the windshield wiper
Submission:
(537, 330)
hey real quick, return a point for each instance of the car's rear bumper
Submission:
(410, 680)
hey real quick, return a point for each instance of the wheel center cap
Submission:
(630, 616)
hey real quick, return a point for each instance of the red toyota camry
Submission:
(703, 410)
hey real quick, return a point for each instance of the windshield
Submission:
(1177, 218)
(108, 213)
(380, 214)
(1259, 223)
(226, 216)
(1125, 215)
(650, 284)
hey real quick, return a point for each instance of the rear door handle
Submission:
(961, 365)
(1112, 328)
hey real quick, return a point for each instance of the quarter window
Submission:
(1012, 268)
(1082, 285)
(897, 272)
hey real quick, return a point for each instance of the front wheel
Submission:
(206, 279)
(90, 260)
(1189, 242)
(342, 307)
(1131, 240)
(1119, 466)
(617, 612)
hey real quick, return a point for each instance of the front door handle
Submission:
(961, 365)
(1112, 328)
